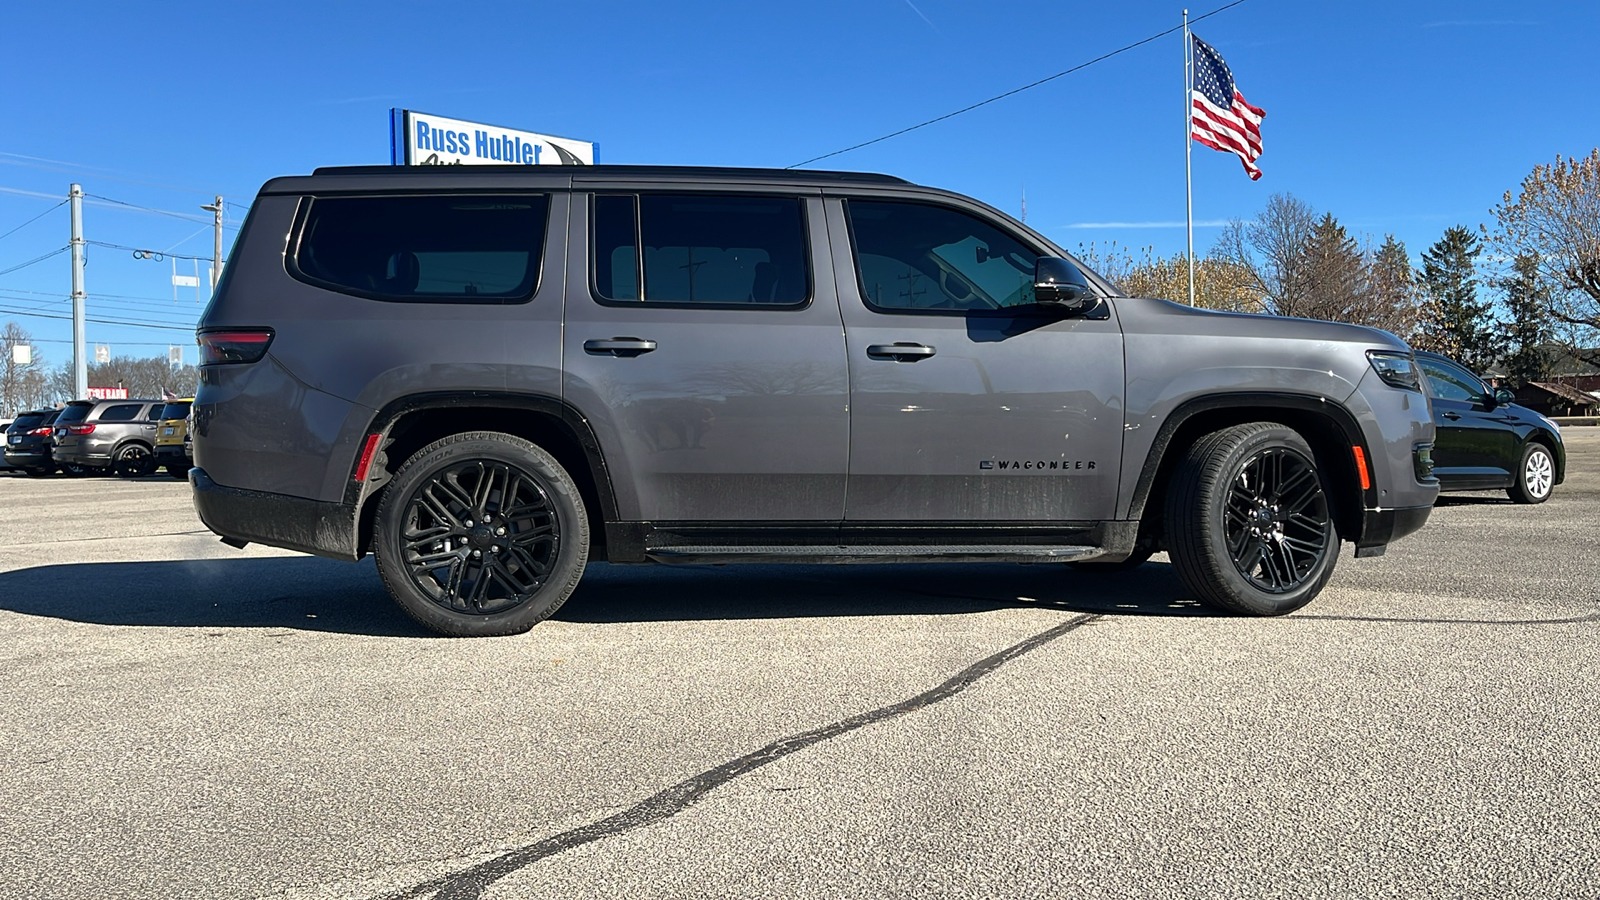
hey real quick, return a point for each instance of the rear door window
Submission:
(468, 248)
(700, 250)
(126, 412)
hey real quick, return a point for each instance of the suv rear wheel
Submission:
(134, 461)
(481, 534)
(1249, 525)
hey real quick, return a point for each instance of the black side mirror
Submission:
(1059, 284)
(1502, 397)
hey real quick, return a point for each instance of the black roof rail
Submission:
(615, 171)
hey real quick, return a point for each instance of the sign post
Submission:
(422, 139)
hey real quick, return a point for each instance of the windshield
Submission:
(179, 410)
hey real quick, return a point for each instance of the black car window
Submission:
(27, 422)
(911, 256)
(173, 411)
(126, 412)
(1450, 383)
(74, 412)
(431, 249)
(154, 413)
(700, 250)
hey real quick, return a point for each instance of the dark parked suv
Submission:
(109, 434)
(28, 442)
(489, 376)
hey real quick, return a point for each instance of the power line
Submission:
(33, 220)
(39, 315)
(118, 343)
(164, 212)
(160, 255)
(38, 259)
(33, 162)
(1019, 90)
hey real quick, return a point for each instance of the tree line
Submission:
(1515, 297)
(36, 385)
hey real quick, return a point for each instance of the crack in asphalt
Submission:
(470, 883)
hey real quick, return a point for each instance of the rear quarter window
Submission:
(467, 248)
(126, 412)
(74, 413)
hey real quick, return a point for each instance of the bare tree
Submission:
(144, 377)
(1555, 217)
(1218, 283)
(22, 385)
(1271, 250)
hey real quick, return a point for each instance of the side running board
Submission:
(871, 553)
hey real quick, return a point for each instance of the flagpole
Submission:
(1188, 144)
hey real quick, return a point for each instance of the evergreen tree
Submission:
(1529, 330)
(1335, 272)
(1458, 324)
(1391, 295)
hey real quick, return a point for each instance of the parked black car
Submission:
(1487, 442)
(28, 444)
(109, 434)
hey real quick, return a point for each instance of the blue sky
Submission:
(1398, 117)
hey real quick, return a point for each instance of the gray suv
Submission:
(489, 376)
(108, 434)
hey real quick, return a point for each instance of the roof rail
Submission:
(615, 171)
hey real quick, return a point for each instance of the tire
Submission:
(523, 570)
(39, 473)
(1141, 555)
(180, 472)
(74, 470)
(134, 461)
(1535, 477)
(1238, 539)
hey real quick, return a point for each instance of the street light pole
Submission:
(80, 361)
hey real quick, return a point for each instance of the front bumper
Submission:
(1384, 525)
(277, 520)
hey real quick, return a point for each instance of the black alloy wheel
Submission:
(481, 534)
(134, 461)
(1249, 524)
(1277, 520)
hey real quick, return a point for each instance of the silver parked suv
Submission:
(108, 434)
(489, 376)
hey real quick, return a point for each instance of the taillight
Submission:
(80, 429)
(38, 431)
(223, 347)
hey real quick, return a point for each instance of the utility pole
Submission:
(80, 361)
(216, 246)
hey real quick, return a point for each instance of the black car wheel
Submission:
(1249, 526)
(134, 461)
(481, 534)
(1536, 477)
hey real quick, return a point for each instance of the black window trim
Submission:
(1031, 310)
(638, 237)
(291, 256)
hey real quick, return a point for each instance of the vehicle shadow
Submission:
(1472, 500)
(311, 594)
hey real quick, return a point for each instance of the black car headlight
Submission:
(1396, 369)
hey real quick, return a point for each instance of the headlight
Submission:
(1396, 369)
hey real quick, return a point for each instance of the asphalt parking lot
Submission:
(181, 719)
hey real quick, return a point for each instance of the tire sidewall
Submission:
(1520, 491)
(571, 517)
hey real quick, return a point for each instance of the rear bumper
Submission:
(277, 520)
(1384, 525)
(166, 453)
(28, 459)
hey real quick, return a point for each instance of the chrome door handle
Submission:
(900, 351)
(620, 346)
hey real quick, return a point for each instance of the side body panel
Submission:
(736, 415)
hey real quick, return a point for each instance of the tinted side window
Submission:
(124, 413)
(700, 249)
(910, 256)
(173, 411)
(74, 412)
(460, 248)
(1450, 383)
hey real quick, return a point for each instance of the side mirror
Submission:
(1058, 283)
(1503, 397)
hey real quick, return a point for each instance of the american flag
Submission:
(1219, 117)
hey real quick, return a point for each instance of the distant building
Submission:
(1560, 398)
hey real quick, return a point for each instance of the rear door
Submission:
(969, 403)
(705, 354)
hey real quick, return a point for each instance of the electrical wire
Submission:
(33, 162)
(168, 212)
(160, 256)
(39, 315)
(1019, 90)
(38, 259)
(34, 219)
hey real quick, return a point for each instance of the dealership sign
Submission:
(420, 139)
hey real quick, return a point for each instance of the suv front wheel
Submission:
(1249, 526)
(481, 534)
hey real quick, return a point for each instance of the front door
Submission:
(708, 359)
(1474, 442)
(968, 403)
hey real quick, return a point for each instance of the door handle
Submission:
(620, 346)
(1452, 416)
(900, 351)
